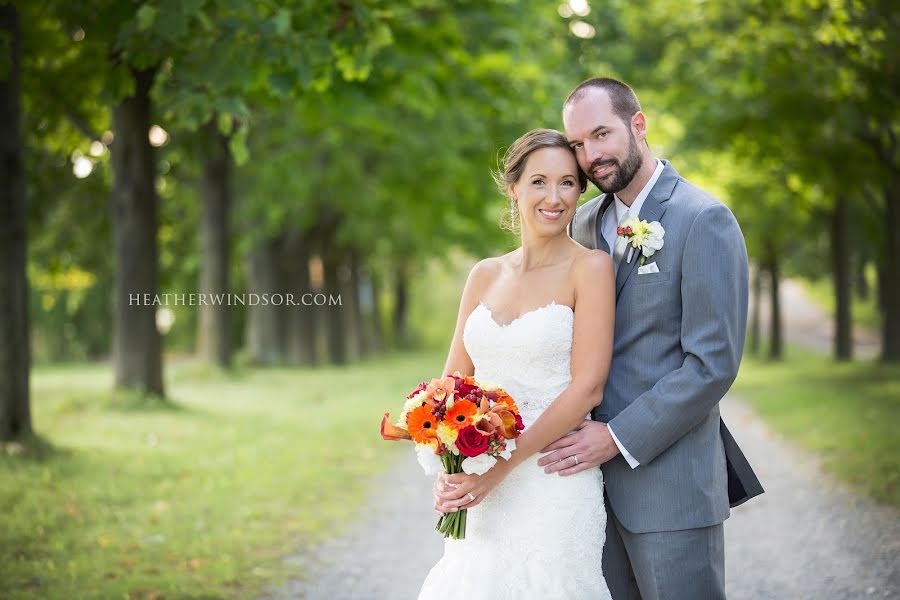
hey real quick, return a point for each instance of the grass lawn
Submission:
(848, 413)
(196, 500)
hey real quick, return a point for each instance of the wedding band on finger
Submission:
(471, 496)
(575, 456)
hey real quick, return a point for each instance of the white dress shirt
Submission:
(608, 227)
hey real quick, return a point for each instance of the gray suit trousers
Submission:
(665, 565)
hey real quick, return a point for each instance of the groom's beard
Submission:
(622, 176)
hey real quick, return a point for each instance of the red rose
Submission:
(471, 442)
(628, 231)
(620, 230)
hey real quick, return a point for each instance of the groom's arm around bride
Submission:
(710, 333)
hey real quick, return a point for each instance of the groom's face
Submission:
(604, 144)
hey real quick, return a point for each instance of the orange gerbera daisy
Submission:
(460, 415)
(422, 425)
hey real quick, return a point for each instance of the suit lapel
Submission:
(652, 210)
(597, 229)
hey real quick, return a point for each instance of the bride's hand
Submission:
(452, 492)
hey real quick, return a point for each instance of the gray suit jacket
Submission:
(679, 336)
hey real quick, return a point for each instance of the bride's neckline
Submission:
(551, 304)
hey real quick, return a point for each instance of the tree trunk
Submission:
(376, 325)
(754, 313)
(15, 343)
(137, 345)
(776, 351)
(840, 263)
(862, 283)
(366, 307)
(353, 307)
(264, 324)
(401, 303)
(336, 337)
(300, 321)
(891, 280)
(214, 332)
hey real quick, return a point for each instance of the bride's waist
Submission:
(530, 475)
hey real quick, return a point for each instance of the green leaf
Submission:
(282, 21)
(146, 16)
(233, 105)
(281, 82)
(225, 123)
(238, 145)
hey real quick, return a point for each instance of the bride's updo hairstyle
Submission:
(512, 165)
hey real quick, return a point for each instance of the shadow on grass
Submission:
(120, 401)
(127, 400)
(32, 448)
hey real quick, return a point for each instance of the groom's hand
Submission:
(590, 442)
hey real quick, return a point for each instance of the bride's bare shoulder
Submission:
(587, 261)
(489, 268)
(486, 272)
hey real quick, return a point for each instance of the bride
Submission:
(538, 322)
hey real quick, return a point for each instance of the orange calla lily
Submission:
(507, 425)
(485, 426)
(389, 431)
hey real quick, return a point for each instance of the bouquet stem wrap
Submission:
(453, 524)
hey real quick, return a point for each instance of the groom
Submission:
(671, 467)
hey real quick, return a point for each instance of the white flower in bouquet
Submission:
(510, 446)
(478, 465)
(431, 462)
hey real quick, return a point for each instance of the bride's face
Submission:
(547, 192)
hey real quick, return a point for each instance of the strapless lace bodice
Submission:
(535, 535)
(530, 357)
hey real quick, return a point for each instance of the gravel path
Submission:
(807, 538)
(387, 556)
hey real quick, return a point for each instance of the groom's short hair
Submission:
(624, 101)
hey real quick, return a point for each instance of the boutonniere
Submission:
(641, 234)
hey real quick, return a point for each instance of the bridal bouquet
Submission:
(459, 426)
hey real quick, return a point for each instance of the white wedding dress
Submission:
(536, 535)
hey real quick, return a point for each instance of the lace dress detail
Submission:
(535, 535)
